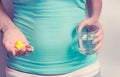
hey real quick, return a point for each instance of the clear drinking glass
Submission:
(84, 40)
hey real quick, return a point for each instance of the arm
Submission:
(94, 8)
(11, 34)
(5, 21)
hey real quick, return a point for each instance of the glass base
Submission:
(86, 52)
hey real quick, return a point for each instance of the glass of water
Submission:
(85, 40)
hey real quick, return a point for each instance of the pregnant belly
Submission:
(51, 42)
(50, 37)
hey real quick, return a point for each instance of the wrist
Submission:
(96, 18)
(5, 28)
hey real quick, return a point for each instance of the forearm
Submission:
(94, 8)
(5, 21)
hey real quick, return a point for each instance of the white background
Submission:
(110, 55)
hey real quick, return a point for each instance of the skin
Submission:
(93, 19)
(10, 31)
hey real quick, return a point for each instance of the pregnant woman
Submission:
(48, 27)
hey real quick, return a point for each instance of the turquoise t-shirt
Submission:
(49, 26)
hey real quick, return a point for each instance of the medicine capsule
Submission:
(19, 45)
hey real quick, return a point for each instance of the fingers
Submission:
(99, 38)
(99, 35)
(26, 50)
(100, 31)
(10, 47)
(99, 25)
(88, 22)
(20, 52)
(99, 42)
(97, 48)
(29, 48)
(80, 26)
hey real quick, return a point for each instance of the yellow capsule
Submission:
(19, 45)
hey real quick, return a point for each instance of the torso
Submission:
(49, 25)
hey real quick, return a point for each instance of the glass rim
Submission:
(93, 32)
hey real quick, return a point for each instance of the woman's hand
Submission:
(99, 35)
(99, 38)
(10, 36)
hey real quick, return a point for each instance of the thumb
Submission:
(80, 26)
